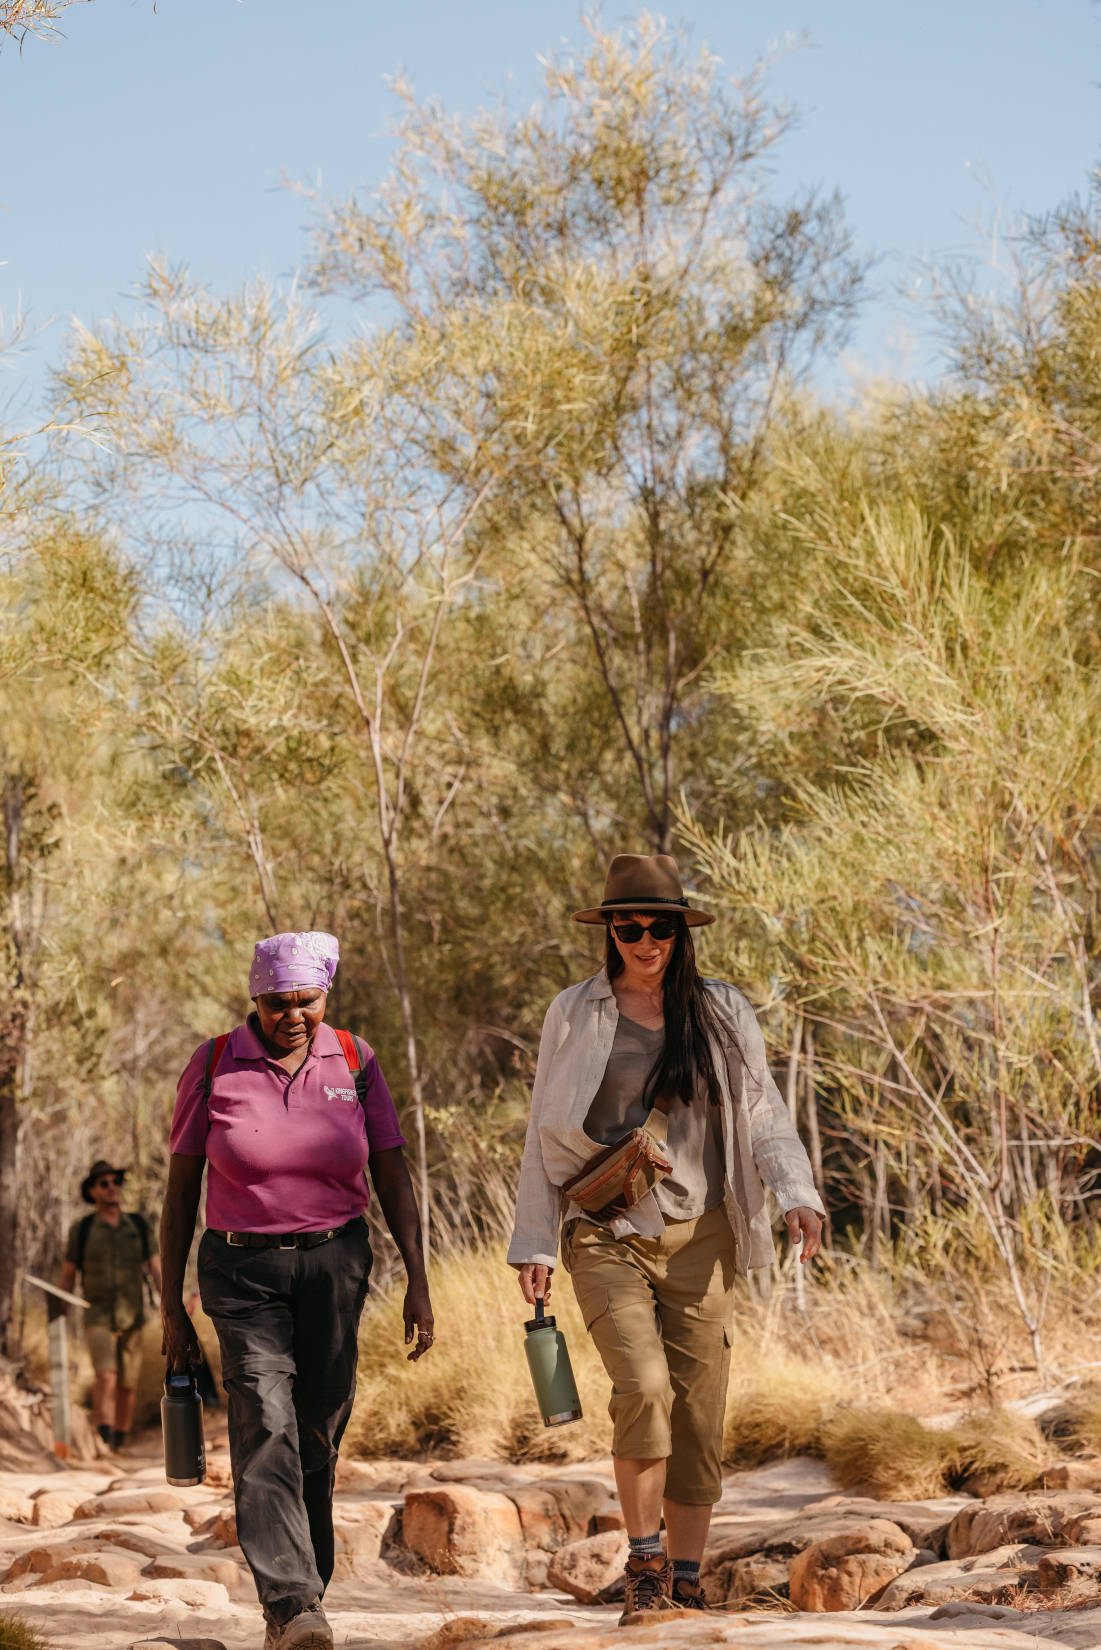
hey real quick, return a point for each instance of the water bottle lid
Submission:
(181, 1380)
(539, 1321)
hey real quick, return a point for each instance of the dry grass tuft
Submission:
(16, 1635)
(888, 1453)
(774, 1408)
(998, 1450)
(1076, 1425)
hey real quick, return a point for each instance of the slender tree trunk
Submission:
(882, 1203)
(913, 1188)
(412, 1058)
(867, 1212)
(810, 1121)
(10, 1038)
(13, 1027)
(791, 1086)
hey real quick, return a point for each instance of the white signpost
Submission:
(56, 1301)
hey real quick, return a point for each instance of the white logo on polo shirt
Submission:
(347, 1095)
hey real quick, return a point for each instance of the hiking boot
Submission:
(307, 1631)
(689, 1595)
(646, 1583)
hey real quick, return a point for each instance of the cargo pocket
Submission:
(593, 1301)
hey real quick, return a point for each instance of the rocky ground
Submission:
(108, 1557)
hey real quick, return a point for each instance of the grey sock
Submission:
(686, 1569)
(645, 1546)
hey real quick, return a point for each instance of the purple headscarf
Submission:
(293, 962)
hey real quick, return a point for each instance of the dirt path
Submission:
(107, 1557)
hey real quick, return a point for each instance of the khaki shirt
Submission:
(112, 1275)
(760, 1143)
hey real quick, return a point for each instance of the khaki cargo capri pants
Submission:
(660, 1311)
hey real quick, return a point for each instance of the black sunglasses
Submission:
(108, 1180)
(629, 933)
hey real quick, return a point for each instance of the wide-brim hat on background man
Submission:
(644, 882)
(100, 1166)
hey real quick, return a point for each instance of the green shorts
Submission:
(115, 1352)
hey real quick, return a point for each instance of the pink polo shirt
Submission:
(285, 1154)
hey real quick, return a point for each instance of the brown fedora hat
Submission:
(100, 1166)
(643, 882)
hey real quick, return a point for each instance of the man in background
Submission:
(113, 1252)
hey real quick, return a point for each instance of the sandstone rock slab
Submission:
(1055, 1569)
(382, 1477)
(217, 1529)
(178, 1644)
(985, 1577)
(192, 1593)
(555, 1512)
(1074, 1475)
(964, 1610)
(458, 1530)
(778, 1538)
(15, 1506)
(115, 1503)
(135, 1540)
(585, 1568)
(470, 1472)
(219, 1566)
(844, 1570)
(789, 1632)
(1083, 1529)
(361, 1531)
(37, 1560)
(925, 1522)
(53, 1508)
(1045, 1519)
(745, 1578)
(119, 1571)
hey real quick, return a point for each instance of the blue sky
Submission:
(169, 131)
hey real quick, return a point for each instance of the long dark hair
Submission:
(685, 1062)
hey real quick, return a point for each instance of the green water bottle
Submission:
(551, 1371)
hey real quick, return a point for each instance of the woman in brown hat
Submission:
(654, 1278)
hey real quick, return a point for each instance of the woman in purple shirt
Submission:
(288, 1114)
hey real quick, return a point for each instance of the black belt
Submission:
(284, 1240)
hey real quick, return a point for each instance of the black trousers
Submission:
(287, 1323)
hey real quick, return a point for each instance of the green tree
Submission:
(350, 478)
(930, 902)
(64, 600)
(649, 305)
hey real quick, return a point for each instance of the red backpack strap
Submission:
(352, 1055)
(215, 1049)
(350, 1048)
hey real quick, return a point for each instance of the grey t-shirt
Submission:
(695, 1131)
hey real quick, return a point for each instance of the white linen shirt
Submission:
(760, 1142)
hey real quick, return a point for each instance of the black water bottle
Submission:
(182, 1426)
